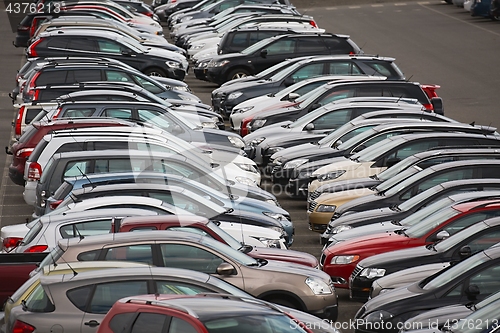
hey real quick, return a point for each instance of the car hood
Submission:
(284, 255)
(276, 111)
(380, 215)
(359, 201)
(397, 295)
(383, 259)
(366, 230)
(257, 206)
(440, 316)
(410, 275)
(278, 105)
(165, 54)
(342, 164)
(292, 268)
(311, 150)
(269, 131)
(368, 245)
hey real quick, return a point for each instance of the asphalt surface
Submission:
(433, 43)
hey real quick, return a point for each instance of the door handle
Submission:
(92, 323)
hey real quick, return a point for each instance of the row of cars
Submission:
(406, 198)
(107, 143)
(488, 9)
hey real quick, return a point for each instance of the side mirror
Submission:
(309, 127)
(225, 269)
(465, 252)
(472, 291)
(263, 53)
(292, 96)
(288, 81)
(391, 161)
(177, 130)
(443, 234)
(437, 104)
(358, 149)
(315, 106)
(127, 53)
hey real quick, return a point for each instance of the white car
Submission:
(229, 166)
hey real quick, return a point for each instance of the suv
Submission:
(226, 97)
(337, 90)
(90, 43)
(273, 50)
(298, 286)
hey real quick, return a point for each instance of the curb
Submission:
(332, 3)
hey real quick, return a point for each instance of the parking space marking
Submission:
(354, 7)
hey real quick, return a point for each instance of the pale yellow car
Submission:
(321, 209)
(67, 268)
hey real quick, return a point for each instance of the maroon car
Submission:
(209, 228)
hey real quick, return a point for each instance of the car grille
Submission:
(322, 259)
(314, 195)
(356, 271)
(312, 206)
(275, 169)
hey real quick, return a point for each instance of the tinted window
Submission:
(121, 322)
(240, 40)
(76, 168)
(77, 113)
(338, 45)
(72, 146)
(383, 68)
(108, 46)
(87, 228)
(345, 68)
(81, 44)
(336, 95)
(332, 120)
(281, 47)
(149, 322)
(121, 113)
(51, 77)
(308, 87)
(148, 85)
(311, 45)
(174, 287)
(307, 72)
(102, 145)
(468, 220)
(84, 75)
(106, 294)
(189, 257)
(178, 325)
(140, 253)
(57, 43)
(29, 132)
(438, 179)
(80, 296)
(112, 165)
(116, 76)
(38, 301)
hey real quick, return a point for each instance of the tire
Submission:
(285, 301)
(155, 71)
(237, 73)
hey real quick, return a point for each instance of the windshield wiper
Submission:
(395, 222)
(245, 248)
(374, 177)
(395, 208)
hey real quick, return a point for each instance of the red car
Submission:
(203, 225)
(202, 313)
(22, 150)
(340, 259)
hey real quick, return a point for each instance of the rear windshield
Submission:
(63, 191)
(29, 132)
(38, 301)
(38, 150)
(35, 228)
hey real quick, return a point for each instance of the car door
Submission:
(272, 54)
(344, 67)
(308, 45)
(198, 258)
(329, 121)
(81, 46)
(476, 242)
(303, 73)
(95, 300)
(115, 50)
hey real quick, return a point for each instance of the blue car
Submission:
(481, 8)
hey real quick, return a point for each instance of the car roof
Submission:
(89, 265)
(101, 103)
(467, 206)
(177, 219)
(80, 32)
(70, 216)
(132, 186)
(417, 136)
(73, 121)
(447, 151)
(443, 125)
(118, 153)
(454, 164)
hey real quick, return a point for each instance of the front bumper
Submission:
(216, 75)
(318, 221)
(176, 73)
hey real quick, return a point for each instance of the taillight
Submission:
(23, 28)
(313, 23)
(36, 248)
(33, 27)
(21, 89)
(150, 14)
(243, 126)
(428, 107)
(31, 49)
(36, 95)
(29, 92)
(59, 109)
(10, 243)
(17, 127)
(22, 327)
(24, 153)
(34, 171)
(55, 204)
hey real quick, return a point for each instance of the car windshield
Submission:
(487, 319)
(422, 214)
(388, 184)
(273, 69)
(431, 222)
(132, 43)
(229, 252)
(357, 139)
(311, 96)
(224, 235)
(456, 270)
(258, 323)
(222, 14)
(285, 72)
(308, 118)
(451, 242)
(397, 168)
(376, 149)
(409, 181)
(416, 200)
(257, 46)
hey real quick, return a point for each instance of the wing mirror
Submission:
(392, 161)
(437, 104)
(288, 81)
(226, 269)
(263, 53)
(472, 291)
(127, 53)
(443, 234)
(465, 252)
(177, 130)
(309, 127)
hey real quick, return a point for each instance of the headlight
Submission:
(243, 110)
(344, 260)
(208, 124)
(276, 216)
(245, 181)
(280, 230)
(247, 167)
(331, 175)
(173, 64)
(256, 142)
(371, 273)
(186, 18)
(234, 95)
(339, 228)
(236, 142)
(197, 47)
(305, 173)
(295, 163)
(318, 287)
(202, 64)
(378, 316)
(269, 242)
(180, 88)
(214, 63)
(326, 208)
(383, 291)
(273, 150)
(259, 123)
(272, 202)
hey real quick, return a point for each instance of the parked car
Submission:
(288, 284)
(340, 259)
(151, 61)
(471, 280)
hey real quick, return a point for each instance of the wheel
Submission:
(155, 71)
(237, 73)
(285, 301)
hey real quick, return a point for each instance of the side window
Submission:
(88, 228)
(71, 146)
(338, 45)
(308, 87)
(106, 294)
(189, 257)
(149, 86)
(240, 40)
(57, 43)
(344, 68)
(161, 120)
(121, 113)
(86, 75)
(484, 241)
(261, 35)
(307, 72)
(336, 95)
(178, 325)
(80, 297)
(413, 148)
(281, 47)
(381, 68)
(81, 44)
(78, 112)
(140, 253)
(369, 91)
(51, 77)
(332, 120)
(487, 280)
(311, 45)
(438, 179)
(74, 169)
(115, 76)
(121, 322)
(103, 145)
(176, 288)
(108, 46)
(150, 322)
(112, 165)
(466, 221)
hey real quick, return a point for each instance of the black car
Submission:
(477, 236)
(91, 43)
(337, 90)
(273, 50)
(226, 97)
(154, 114)
(469, 281)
